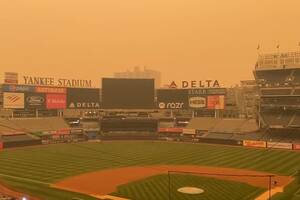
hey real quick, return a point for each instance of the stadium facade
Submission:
(278, 79)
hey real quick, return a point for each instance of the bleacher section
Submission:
(297, 92)
(5, 127)
(214, 125)
(296, 121)
(203, 123)
(277, 118)
(280, 101)
(35, 124)
(276, 76)
(282, 91)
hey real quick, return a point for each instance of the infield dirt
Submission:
(106, 181)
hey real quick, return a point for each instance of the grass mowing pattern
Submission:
(156, 188)
(54, 162)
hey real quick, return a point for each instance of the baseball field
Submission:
(138, 170)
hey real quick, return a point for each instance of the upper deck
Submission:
(277, 61)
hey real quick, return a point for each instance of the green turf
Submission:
(54, 162)
(157, 188)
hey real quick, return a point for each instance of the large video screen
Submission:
(127, 93)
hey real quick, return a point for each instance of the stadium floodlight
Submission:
(24, 198)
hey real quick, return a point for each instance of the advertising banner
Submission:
(172, 98)
(189, 131)
(13, 100)
(296, 146)
(190, 98)
(56, 101)
(279, 145)
(170, 130)
(254, 143)
(197, 102)
(63, 131)
(52, 90)
(215, 102)
(83, 98)
(35, 101)
(11, 78)
(17, 88)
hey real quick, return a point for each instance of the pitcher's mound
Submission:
(190, 190)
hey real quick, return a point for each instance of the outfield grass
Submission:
(51, 163)
(157, 188)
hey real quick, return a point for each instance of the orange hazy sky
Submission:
(184, 39)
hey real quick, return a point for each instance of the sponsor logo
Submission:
(215, 102)
(35, 100)
(173, 85)
(296, 146)
(13, 100)
(171, 105)
(11, 78)
(17, 88)
(170, 130)
(279, 145)
(254, 143)
(197, 102)
(197, 84)
(52, 90)
(56, 101)
(84, 105)
(162, 105)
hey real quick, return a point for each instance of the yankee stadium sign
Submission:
(46, 81)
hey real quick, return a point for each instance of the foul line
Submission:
(24, 179)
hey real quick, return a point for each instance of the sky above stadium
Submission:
(184, 39)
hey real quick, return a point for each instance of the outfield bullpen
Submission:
(35, 169)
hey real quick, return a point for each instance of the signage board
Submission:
(254, 143)
(189, 131)
(172, 98)
(83, 98)
(279, 145)
(17, 88)
(191, 98)
(296, 146)
(56, 101)
(53, 82)
(197, 102)
(35, 101)
(13, 100)
(170, 130)
(11, 78)
(52, 90)
(195, 84)
(216, 102)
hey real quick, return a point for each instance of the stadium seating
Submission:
(277, 118)
(285, 91)
(276, 76)
(214, 125)
(36, 124)
(203, 123)
(297, 92)
(296, 121)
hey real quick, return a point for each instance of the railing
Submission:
(278, 60)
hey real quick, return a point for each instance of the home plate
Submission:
(190, 190)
